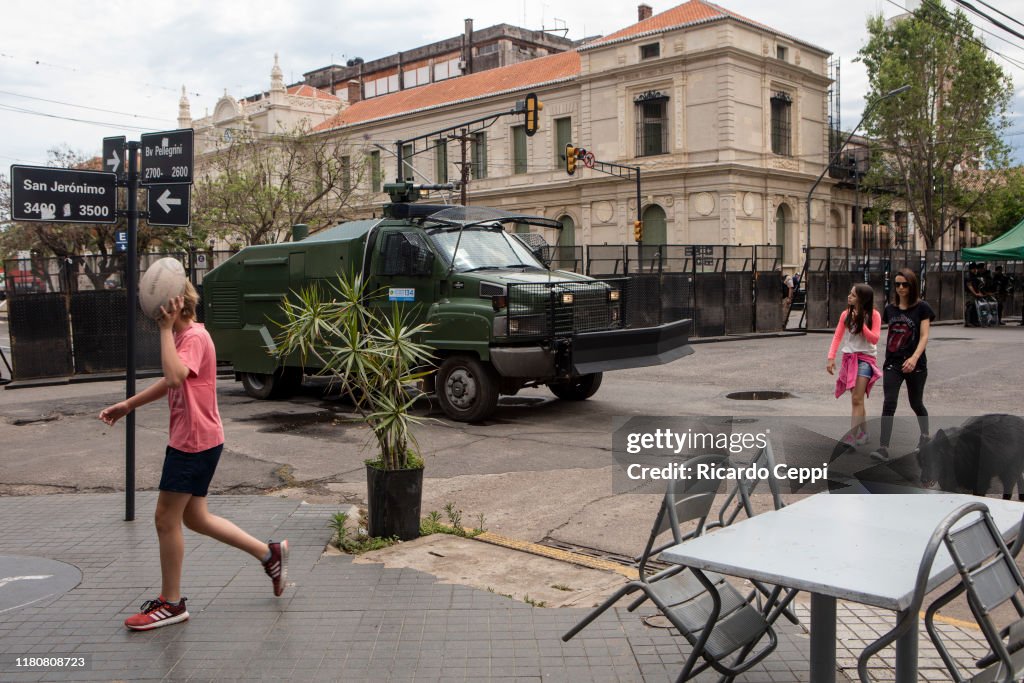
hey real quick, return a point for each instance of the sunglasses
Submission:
(902, 284)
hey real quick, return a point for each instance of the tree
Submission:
(254, 187)
(67, 241)
(947, 124)
(1000, 207)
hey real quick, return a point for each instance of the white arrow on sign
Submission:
(114, 162)
(166, 201)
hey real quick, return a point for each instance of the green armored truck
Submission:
(500, 319)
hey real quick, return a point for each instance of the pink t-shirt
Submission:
(195, 419)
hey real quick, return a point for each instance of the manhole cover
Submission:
(28, 581)
(758, 395)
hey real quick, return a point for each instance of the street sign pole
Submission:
(131, 276)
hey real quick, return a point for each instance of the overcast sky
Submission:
(118, 66)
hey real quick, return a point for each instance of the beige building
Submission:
(280, 109)
(726, 118)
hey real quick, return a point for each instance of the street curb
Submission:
(556, 554)
(98, 377)
(628, 572)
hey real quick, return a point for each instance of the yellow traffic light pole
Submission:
(574, 154)
(529, 108)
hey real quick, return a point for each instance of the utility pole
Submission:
(464, 166)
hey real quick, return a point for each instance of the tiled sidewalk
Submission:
(339, 622)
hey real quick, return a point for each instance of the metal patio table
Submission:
(856, 547)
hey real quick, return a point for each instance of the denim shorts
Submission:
(189, 472)
(864, 369)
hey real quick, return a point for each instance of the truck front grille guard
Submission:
(547, 309)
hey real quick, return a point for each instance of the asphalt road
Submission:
(541, 469)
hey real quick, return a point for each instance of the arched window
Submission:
(784, 236)
(655, 229)
(567, 235)
(565, 254)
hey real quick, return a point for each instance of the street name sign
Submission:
(169, 204)
(114, 159)
(167, 157)
(63, 195)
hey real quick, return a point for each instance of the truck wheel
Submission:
(467, 388)
(578, 388)
(283, 383)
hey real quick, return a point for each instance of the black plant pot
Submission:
(395, 498)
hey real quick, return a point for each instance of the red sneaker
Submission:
(157, 613)
(277, 566)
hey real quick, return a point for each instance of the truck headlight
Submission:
(527, 325)
(614, 295)
(566, 298)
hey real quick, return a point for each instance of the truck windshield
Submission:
(482, 248)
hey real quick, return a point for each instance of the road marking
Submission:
(11, 579)
(26, 604)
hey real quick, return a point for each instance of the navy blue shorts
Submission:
(189, 472)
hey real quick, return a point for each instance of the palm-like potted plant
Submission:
(373, 353)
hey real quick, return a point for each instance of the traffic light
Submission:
(570, 159)
(638, 231)
(533, 107)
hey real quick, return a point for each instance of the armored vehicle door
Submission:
(402, 271)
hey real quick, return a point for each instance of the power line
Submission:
(82, 106)
(996, 22)
(24, 161)
(1000, 12)
(969, 38)
(39, 62)
(997, 37)
(105, 124)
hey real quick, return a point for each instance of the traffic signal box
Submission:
(533, 107)
(638, 231)
(570, 159)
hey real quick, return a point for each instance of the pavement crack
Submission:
(22, 421)
(550, 533)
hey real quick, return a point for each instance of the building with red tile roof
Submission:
(279, 109)
(726, 118)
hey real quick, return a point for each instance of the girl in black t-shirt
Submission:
(905, 361)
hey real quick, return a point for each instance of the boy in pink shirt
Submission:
(194, 446)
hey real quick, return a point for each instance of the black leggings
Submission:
(892, 379)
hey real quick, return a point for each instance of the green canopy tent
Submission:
(1007, 247)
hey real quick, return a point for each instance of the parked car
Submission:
(24, 282)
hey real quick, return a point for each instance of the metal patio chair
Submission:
(736, 502)
(723, 627)
(989, 576)
(738, 499)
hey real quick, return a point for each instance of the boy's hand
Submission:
(115, 412)
(170, 312)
